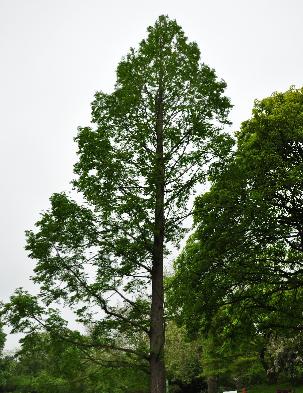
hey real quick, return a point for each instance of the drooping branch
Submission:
(102, 303)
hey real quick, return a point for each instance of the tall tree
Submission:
(246, 253)
(155, 137)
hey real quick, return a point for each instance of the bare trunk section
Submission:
(212, 385)
(157, 329)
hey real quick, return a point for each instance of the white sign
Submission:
(231, 391)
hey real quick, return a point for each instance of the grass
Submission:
(273, 388)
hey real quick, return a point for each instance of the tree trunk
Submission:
(272, 377)
(212, 385)
(157, 330)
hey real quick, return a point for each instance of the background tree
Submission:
(2, 360)
(183, 361)
(247, 248)
(2, 339)
(48, 364)
(154, 139)
(245, 256)
(231, 352)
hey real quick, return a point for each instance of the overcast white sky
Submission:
(56, 53)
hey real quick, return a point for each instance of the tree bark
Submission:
(157, 327)
(212, 385)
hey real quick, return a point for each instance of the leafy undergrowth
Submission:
(273, 388)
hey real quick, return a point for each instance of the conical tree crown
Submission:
(122, 149)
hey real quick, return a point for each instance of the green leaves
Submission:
(247, 249)
(153, 140)
(183, 358)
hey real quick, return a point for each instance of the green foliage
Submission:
(246, 252)
(238, 282)
(2, 339)
(98, 257)
(182, 357)
(273, 388)
(284, 355)
(3, 367)
(47, 364)
(234, 360)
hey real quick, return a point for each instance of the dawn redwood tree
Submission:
(153, 140)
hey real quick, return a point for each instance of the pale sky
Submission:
(55, 54)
